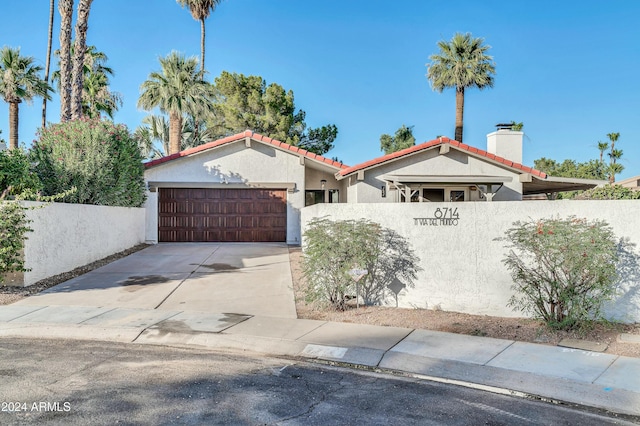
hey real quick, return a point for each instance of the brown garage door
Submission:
(229, 215)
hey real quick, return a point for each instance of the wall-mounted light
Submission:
(323, 183)
(383, 188)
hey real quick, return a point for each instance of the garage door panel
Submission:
(199, 222)
(247, 222)
(260, 208)
(245, 208)
(213, 194)
(231, 222)
(198, 194)
(278, 208)
(229, 194)
(229, 208)
(212, 214)
(176, 236)
(200, 207)
(246, 236)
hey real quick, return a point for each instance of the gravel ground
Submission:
(520, 329)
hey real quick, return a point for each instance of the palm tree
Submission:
(613, 138)
(79, 50)
(48, 63)
(97, 97)
(153, 136)
(602, 147)
(461, 63)
(19, 81)
(176, 90)
(614, 156)
(65, 7)
(200, 10)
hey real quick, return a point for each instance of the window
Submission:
(456, 195)
(433, 194)
(313, 197)
(334, 196)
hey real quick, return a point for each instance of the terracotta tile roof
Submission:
(436, 142)
(241, 136)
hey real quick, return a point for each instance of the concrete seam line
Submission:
(396, 344)
(606, 369)
(26, 313)
(310, 331)
(208, 257)
(173, 291)
(233, 325)
(97, 315)
(149, 326)
(399, 341)
(496, 355)
(139, 334)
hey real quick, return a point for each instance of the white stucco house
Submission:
(248, 187)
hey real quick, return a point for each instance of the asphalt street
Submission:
(84, 382)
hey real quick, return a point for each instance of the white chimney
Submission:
(506, 143)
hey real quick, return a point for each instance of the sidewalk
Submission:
(570, 375)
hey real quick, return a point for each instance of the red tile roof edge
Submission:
(240, 136)
(435, 142)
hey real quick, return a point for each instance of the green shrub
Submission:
(100, 159)
(609, 192)
(333, 248)
(16, 174)
(563, 269)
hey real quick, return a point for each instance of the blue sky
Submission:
(567, 70)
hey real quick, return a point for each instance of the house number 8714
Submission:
(446, 213)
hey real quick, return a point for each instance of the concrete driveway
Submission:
(240, 278)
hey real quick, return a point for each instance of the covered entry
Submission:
(225, 215)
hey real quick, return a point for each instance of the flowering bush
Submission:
(97, 157)
(563, 269)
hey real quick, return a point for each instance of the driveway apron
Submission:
(241, 278)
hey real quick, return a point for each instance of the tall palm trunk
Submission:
(79, 49)
(48, 64)
(65, 7)
(202, 33)
(175, 132)
(459, 112)
(196, 119)
(13, 124)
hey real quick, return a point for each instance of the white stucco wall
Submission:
(462, 265)
(234, 163)
(432, 163)
(66, 236)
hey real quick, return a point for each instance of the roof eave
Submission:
(252, 136)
